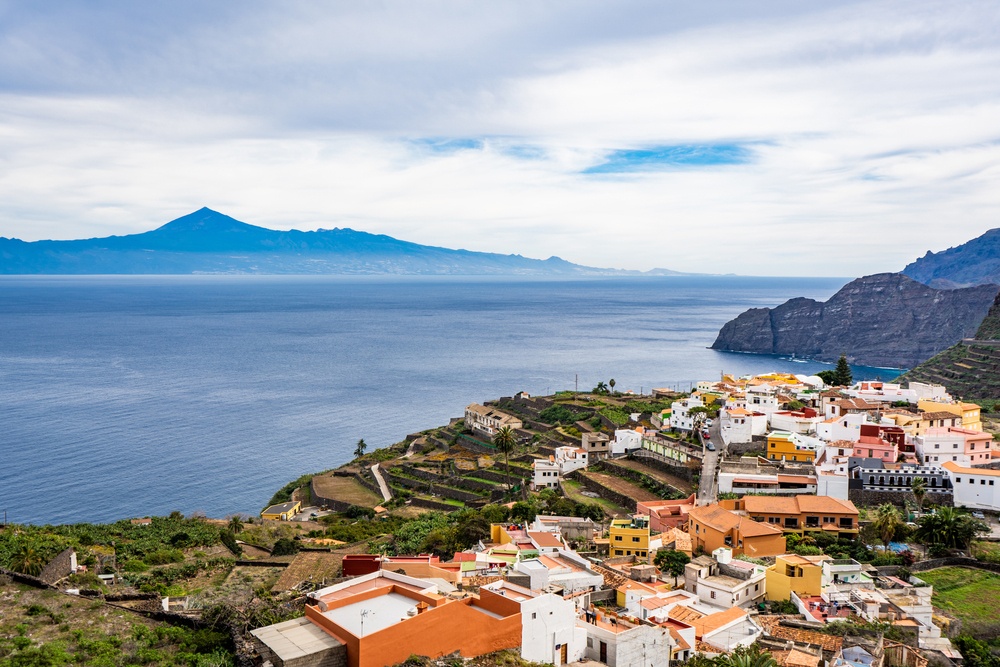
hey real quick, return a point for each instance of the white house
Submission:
(549, 629)
(680, 413)
(975, 488)
(564, 461)
(487, 421)
(844, 427)
(625, 441)
(762, 398)
(803, 422)
(721, 581)
(626, 645)
(740, 425)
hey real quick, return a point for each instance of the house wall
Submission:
(431, 634)
(975, 491)
(808, 581)
(550, 621)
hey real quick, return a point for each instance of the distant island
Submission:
(209, 242)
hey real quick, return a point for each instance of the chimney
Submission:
(421, 607)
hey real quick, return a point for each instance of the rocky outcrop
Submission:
(886, 319)
(976, 262)
(970, 369)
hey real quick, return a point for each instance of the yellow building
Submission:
(784, 445)
(791, 572)
(282, 511)
(629, 537)
(968, 411)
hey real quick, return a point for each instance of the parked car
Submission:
(711, 446)
(706, 434)
(708, 422)
(979, 515)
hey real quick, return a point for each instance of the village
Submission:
(734, 518)
(765, 520)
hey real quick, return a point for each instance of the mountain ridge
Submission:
(975, 262)
(206, 241)
(886, 319)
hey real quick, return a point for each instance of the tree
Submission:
(285, 547)
(949, 528)
(672, 562)
(504, 440)
(919, 489)
(524, 512)
(27, 560)
(746, 656)
(236, 524)
(842, 373)
(886, 522)
(359, 451)
(611, 383)
(601, 388)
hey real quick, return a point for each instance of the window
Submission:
(756, 587)
(590, 642)
(618, 538)
(618, 552)
(991, 482)
(982, 482)
(635, 539)
(534, 615)
(713, 595)
(958, 479)
(936, 446)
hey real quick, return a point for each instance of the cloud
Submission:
(783, 138)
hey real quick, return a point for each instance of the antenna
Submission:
(364, 614)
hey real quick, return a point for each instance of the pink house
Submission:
(666, 514)
(960, 445)
(876, 448)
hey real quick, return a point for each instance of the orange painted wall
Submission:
(454, 626)
(498, 604)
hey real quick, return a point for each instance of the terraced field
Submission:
(678, 483)
(621, 486)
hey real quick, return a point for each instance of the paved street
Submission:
(708, 488)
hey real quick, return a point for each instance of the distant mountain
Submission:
(209, 242)
(976, 262)
(886, 319)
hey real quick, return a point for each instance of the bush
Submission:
(164, 557)
(229, 540)
(135, 566)
(285, 547)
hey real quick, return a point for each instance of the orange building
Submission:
(383, 618)
(666, 514)
(802, 514)
(713, 526)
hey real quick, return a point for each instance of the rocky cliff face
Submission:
(886, 319)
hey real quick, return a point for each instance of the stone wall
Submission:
(866, 498)
(640, 478)
(682, 471)
(59, 567)
(604, 492)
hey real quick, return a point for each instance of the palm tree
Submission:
(746, 656)
(919, 489)
(27, 560)
(359, 451)
(504, 440)
(236, 524)
(949, 528)
(886, 522)
(611, 383)
(601, 388)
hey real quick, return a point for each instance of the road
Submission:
(386, 495)
(708, 487)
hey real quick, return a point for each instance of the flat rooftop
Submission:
(377, 613)
(295, 639)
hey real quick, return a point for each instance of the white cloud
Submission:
(872, 127)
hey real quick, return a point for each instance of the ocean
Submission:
(133, 396)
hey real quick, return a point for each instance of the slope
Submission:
(971, 368)
(976, 262)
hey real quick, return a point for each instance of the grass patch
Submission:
(971, 595)
(347, 489)
(574, 490)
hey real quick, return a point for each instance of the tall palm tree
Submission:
(236, 524)
(504, 440)
(886, 522)
(919, 489)
(359, 451)
(611, 383)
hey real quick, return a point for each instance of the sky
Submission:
(767, 138)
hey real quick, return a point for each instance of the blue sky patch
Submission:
(671, 157)
(446, 145)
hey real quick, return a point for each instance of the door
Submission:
(604, 652)
(563, 654)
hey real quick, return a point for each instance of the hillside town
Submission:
(770, 518)
(789, 479)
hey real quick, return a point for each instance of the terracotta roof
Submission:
(713, 622)
(772, 626)
(940, 414)
(799, 479)
(679, 642)
(544, 539)
(795, 658)
(750, 528)
(715, 516)
(685, 614)
(797, 505)
(951, 466)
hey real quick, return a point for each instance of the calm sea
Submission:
(128, 396)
